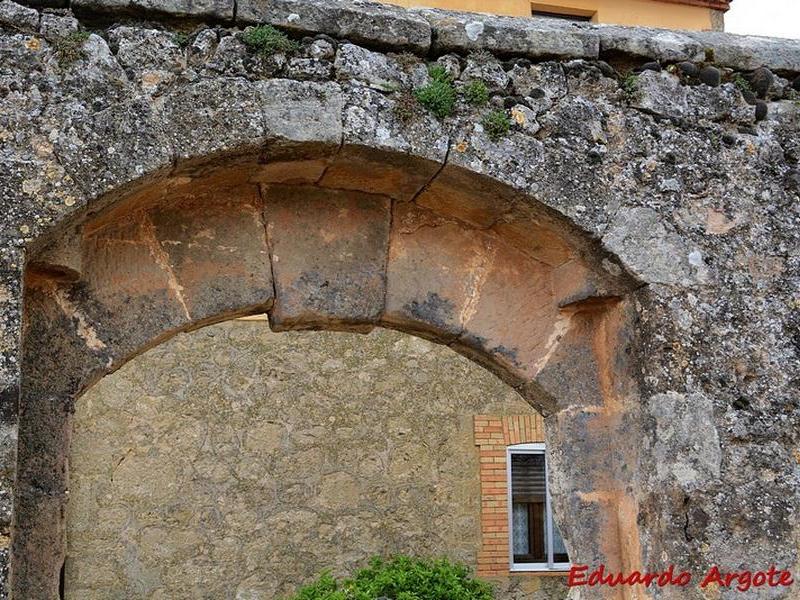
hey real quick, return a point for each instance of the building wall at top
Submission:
(620, 12)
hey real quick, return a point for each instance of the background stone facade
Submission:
(233, 462)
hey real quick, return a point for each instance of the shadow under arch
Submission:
(464, 261)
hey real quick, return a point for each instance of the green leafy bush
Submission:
(401, 578)
(476, 93)
(265, 39)
(439, 96)
(496, 124)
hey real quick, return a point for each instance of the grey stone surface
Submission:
(660, 93)
(147, 55)
(750, 52)
(541, 84)
(652, 249)
(218, 9)
(378, 71)
(214, 115)
(56, 27)
(362, 22)
(463, 32)
(487, 70)
(687, 447)
(18, 17)
(658, 44)
(108, 149)
(297, 112)
(231, 57)
(695, 198)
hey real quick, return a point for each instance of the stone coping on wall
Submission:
(429, 31)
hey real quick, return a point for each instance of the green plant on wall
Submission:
(740, 82)
(70, 47)
(400, 578)
(476, 93)
(496, 124)
(439, 96)
(630, 84)
(267, 40)
(181, 38)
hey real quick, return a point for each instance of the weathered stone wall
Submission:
(681, 179)
(233, 462)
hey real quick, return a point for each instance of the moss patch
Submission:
(630, 85)
(70, 48)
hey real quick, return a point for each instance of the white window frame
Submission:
(537, 448)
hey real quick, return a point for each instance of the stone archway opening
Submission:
(346, 243)
(232, 461)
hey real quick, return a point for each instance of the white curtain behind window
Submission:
(520, 537)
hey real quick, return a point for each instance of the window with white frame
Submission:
(535, 542)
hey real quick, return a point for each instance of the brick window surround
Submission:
(493, 435)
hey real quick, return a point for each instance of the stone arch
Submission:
(344, 239)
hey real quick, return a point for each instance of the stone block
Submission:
(377, 70)
(216, 250)
(18, 17)
(218, 9)
(456, 193)
(145, 52)
(657, 44)
(510, 319)
(382, 154)
(660, 93)
(298, 113)
(39, 538)
(214, 117)
(109, 149)
(568, 369)
(651, 249)
(537, 239)
(129, 292)
(515, 160)
(431, 262)
(367, 23)
(531, 38)
(328, 257)
(56, 27)
(748, 52)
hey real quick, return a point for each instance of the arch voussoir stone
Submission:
(328, 252)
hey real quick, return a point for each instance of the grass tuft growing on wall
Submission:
(476, 93)
(70, 48)
(439, 96)
(267, 40)
(496, 124)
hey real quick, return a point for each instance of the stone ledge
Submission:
(206, 9)
(369, 23)
(425, 31)
(506, 36)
